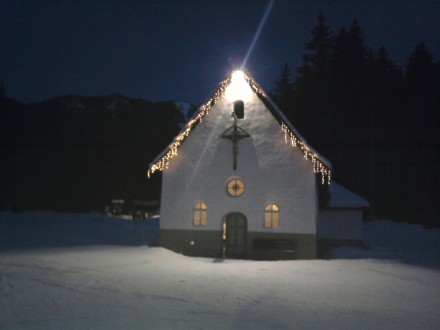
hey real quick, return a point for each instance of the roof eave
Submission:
(278, 113)
(272, 107)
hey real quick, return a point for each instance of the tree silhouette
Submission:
(313, 94)
(420, 69)
(2, 90)
(375, 122)
(422, 98)
(283, 92)
(423, 89)
(320, 48)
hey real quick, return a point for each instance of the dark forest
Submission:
(75, 153)
(376, 121)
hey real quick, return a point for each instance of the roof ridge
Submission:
(320, 164)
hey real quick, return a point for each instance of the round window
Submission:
(235, 187)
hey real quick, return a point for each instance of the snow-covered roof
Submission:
(341, 197)
(320, 164)
(273, 108)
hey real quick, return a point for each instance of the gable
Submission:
(235, 87)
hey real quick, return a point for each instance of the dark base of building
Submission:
(258, 246)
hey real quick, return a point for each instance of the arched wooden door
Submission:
(234, 235)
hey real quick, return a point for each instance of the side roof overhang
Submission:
(342, 198)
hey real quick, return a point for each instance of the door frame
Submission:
(225, 231)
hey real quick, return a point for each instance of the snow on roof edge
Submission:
(274, 107)
(341, 197)
(194, 116)
(267, 101)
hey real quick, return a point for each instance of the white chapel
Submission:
(239, 181)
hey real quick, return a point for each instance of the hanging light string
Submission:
(295, 141)
(289, 136)
(318, 166)
(173, 148)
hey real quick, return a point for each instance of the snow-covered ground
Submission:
(64, 271)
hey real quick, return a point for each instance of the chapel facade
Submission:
(239, 181)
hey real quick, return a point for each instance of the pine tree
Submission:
(357, 48)
(320, 48)
(2, 90)
(349, 107)
(363, 112)
(350, 56)
(420, 137)
(423, 90)
(313, 88)
(420, 68)
(384, 65)
(283, 92)
(350, 78)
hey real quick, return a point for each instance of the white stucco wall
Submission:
(272, 171)
(340, 224)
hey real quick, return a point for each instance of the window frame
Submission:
(200, 214)
(231, 187)
(271, 216)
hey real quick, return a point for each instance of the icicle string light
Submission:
(257, 90)
(318, 166)
(162, 163)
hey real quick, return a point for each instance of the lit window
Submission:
(235, 187)
(271, 216)
(199, 218)
(239, 109)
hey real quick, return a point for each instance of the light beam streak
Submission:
(257, 34)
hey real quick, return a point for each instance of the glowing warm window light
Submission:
(200, 214)
(271, 216)
(235, 187)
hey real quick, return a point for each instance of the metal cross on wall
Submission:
(234, 133)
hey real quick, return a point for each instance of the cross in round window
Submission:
(235, 187)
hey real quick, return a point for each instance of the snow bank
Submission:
(402, 242)
(49, 229)
(139, 287)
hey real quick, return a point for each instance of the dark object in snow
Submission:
(139, 210)
(117, 207)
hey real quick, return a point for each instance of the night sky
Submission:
(180, 50)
